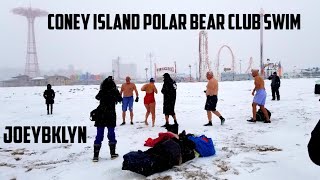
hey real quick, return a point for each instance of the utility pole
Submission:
(150, 56)
(118, 66)
(268, 70)
(261, 44)
(196, 65)
(190, 71)
(146, 69)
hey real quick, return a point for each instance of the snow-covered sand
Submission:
(244, 150)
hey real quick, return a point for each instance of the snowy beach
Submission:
(244, 150)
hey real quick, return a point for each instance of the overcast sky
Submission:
(94, 50)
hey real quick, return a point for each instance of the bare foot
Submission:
(146, 122)
(152, 125)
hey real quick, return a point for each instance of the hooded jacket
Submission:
(108, 96)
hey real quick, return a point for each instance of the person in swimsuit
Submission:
(259, 97)
(149, 101)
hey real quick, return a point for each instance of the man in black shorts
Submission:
(212, 99)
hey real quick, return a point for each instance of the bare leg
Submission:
(153, 113)
(175, 119)
(147, 114)
(209, 116)
(167, 119)
(217, 113)
(123, 116)
(265, 112)
(254, 111)
(131, 115)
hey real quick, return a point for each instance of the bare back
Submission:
(212, 87)
(149, 88)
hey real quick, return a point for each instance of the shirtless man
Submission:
(127, 90)
(212, 99)
(259, 98)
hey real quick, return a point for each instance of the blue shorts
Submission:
(260, 97)
(127, 102)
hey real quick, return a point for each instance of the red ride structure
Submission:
(32, 66)
(218, 61)
(204, 64)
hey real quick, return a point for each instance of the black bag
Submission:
(172, 128)
(140, 162)
(95, 114)
(260, 115)
(317, 89)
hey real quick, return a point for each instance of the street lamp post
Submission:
(268, 70)
(190, 71)
(261, 43)
(146, 69)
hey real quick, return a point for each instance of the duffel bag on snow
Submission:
(204, 145)
(139, 162)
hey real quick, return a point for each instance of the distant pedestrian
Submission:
(168, 90)
(49, 96)
(275, 85)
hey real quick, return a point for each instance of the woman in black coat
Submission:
(49, 96)
(108, 97)
(169, 98)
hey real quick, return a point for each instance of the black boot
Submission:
(209, 124)
(113, 151)
(96, 150)
(165, 125)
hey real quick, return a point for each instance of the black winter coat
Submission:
(169, 96)
(314, 145)
(108, 100)
(49, 96)
(169, 90)
(275, 81)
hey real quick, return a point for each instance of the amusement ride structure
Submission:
(31, 66)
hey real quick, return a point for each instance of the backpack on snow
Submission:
(260, 115)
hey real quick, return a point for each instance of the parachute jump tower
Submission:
(31, 66)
